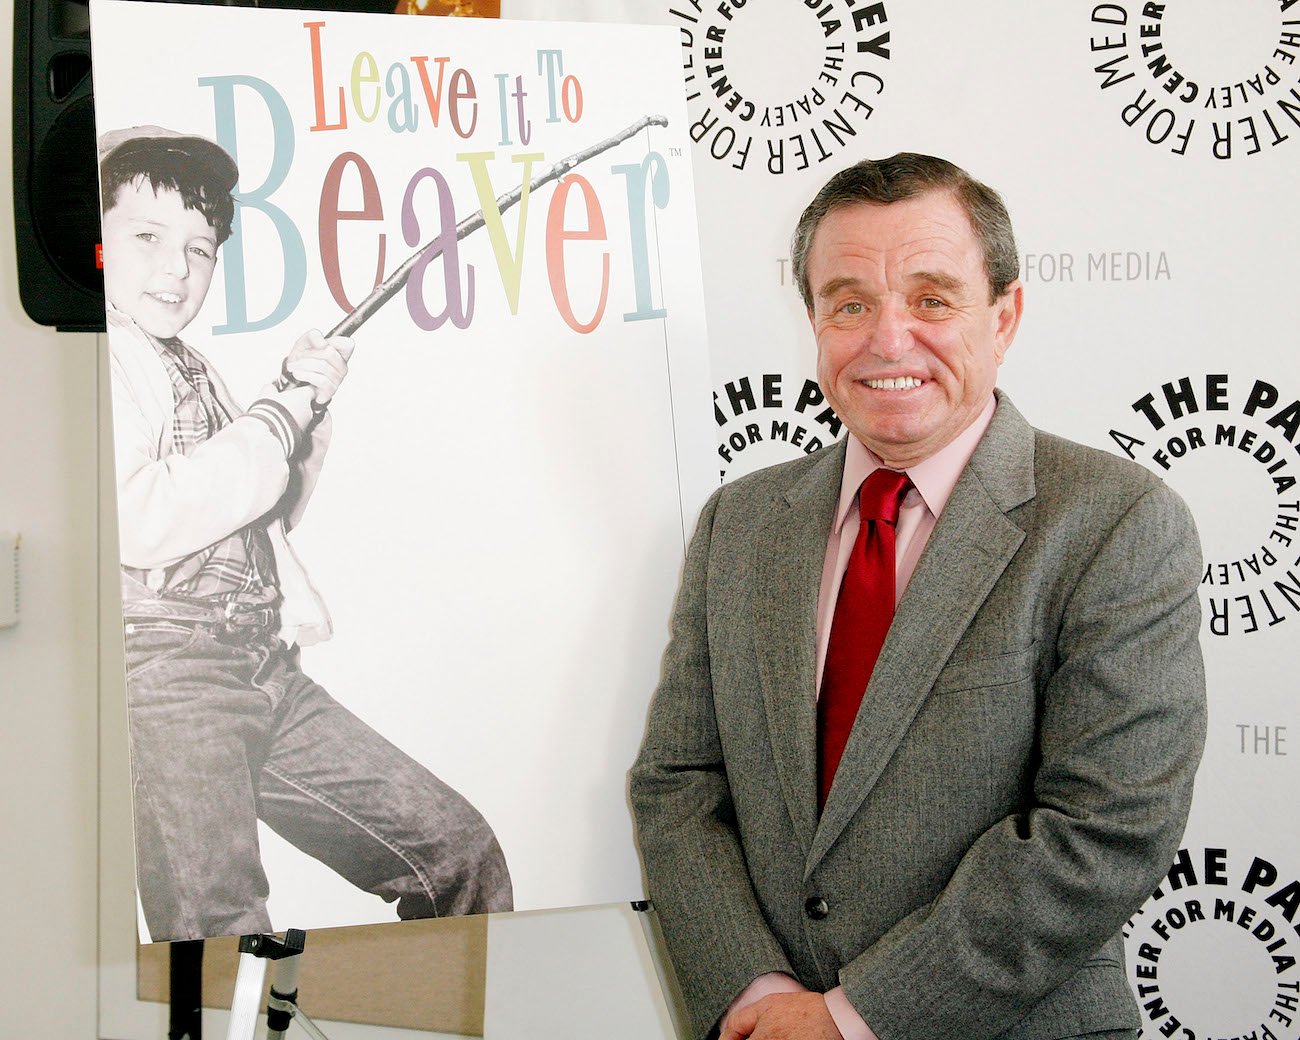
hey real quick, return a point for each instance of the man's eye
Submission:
(200, 251)
(853, 307)
(931, 302)
(146, 236)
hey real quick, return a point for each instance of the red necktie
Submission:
(863, 614)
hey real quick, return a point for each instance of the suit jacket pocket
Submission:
(987, 672)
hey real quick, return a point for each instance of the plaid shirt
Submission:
(241, 566)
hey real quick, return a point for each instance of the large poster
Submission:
(394, 592)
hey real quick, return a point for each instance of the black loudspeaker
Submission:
(56, 189)
(56, 194)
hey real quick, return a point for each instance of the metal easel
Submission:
(255, 951)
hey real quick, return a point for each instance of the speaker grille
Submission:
(65, 195)
(66, 73)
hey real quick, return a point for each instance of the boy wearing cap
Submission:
(225, 727)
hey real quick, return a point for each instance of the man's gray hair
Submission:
(904, 176)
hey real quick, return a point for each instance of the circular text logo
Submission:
(765, 419)
(1213, 952)
(1228, 445)
(781, 87)
(1201, 77)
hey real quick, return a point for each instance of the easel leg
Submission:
(247, 1001)
(185, 1019)
(254, 952)
(282, 1005)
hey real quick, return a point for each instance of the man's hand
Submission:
(782, 1016)
(319, 363)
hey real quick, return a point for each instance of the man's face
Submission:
(158, 258)
(908, 345)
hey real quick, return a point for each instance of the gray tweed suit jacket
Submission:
(1015, 784)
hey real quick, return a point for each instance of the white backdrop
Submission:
(1154, 211)
(1157, 240)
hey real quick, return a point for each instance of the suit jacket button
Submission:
(816, 908)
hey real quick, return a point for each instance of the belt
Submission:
(232, 622)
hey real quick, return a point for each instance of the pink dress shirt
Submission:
(932, 482)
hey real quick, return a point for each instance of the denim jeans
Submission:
(223, 735)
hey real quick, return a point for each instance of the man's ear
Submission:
(1007, 310)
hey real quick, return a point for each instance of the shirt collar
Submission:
(120, 319)
(933, 479)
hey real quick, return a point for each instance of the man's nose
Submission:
(891, 335)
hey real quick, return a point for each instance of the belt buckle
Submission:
(241, 625)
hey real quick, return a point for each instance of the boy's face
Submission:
(158, 258)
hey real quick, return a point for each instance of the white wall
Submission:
(48, 662)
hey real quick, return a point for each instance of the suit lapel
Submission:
(789, 551)
(970, 547)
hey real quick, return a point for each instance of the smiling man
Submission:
(933, 701)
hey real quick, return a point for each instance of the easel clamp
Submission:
(272, 948)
